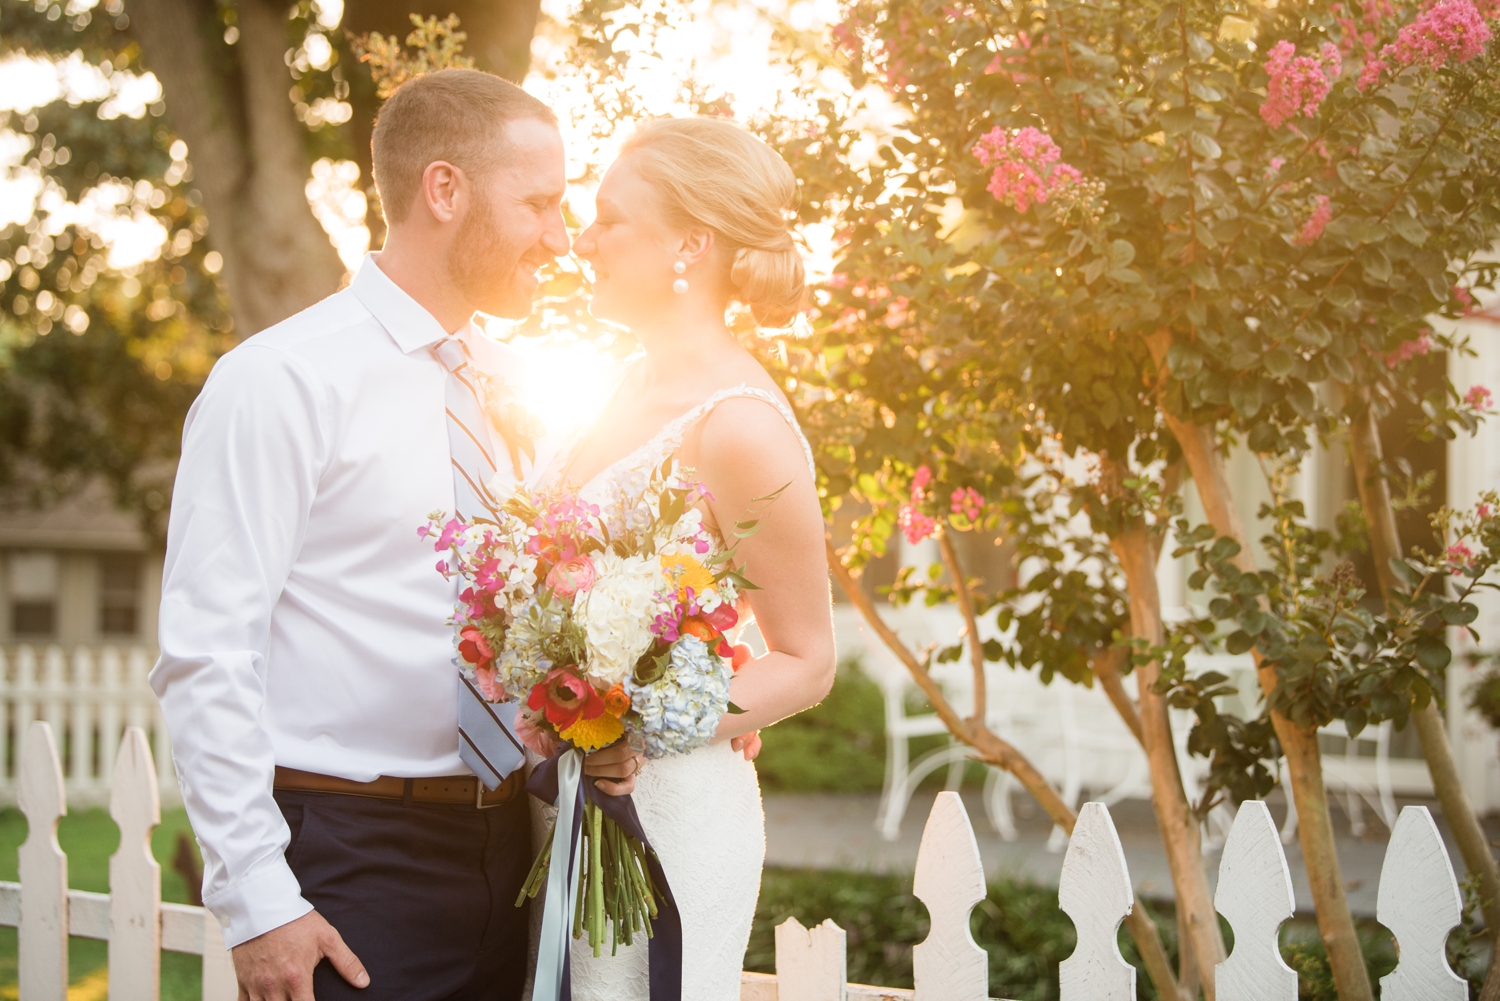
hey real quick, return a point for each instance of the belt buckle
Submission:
(479, 803)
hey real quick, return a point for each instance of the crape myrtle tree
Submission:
(100, 360)
(1131, 235)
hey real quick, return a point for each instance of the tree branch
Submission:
(971, 625)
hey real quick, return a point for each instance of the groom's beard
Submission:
(488, 268)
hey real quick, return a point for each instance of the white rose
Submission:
(617, 613)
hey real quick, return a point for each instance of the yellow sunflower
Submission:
(687, 572)
(592, 734)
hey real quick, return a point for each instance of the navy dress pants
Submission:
(424, 894)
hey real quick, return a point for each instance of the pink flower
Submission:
(534, 736)
(1479, 398)
(1298, 83)
(1312, 229)
(1448, 30)
(920, 479)
(915, 525)
(484, 679)
(967, 502)
(571, 576)
(1461, 557)
(1027, 167)
(1277, 163)
(1483, 510)
(1465, 299)
(1408, 350)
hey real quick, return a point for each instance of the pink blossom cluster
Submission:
(1448, 31)
(1027, 166)
(915, 525)
(1479, 398)
(1298, 83)
(1364, 27)
(1408, 350)
(1465, 299)
(1461, 556)
(1313, 228)
(967, 502)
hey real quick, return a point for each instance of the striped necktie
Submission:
(470, 441)
(486, 739)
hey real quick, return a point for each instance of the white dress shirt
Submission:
(303, 622)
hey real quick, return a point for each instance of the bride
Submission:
(692, 216)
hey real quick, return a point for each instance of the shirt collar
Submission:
(408, 323)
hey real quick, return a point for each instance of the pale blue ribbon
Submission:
(562, 883)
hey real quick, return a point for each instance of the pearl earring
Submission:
(680, 286)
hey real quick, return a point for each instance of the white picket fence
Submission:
(131, 917)
(1418, 901)
(89, 696)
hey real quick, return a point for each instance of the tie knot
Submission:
(451, 353)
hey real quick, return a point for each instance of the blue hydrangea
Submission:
(680, 711)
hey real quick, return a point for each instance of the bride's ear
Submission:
(695, 245)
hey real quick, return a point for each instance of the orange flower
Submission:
(616, 702)
(694, 626)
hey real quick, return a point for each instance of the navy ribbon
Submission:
(664, 949)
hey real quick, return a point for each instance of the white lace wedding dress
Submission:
(701, 811)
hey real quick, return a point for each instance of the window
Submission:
(32, 580)
(119, 594)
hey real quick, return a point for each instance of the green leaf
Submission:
(1067, 85)
(1405, 572)
(1409, 229)
(1279, 362)
(1340, 295)
(1121, 253)
(1204, 146)
(735, 710)
(1460, 613)
(1093, 269)
(1239, 642)
(1201, 48)
(1376, 265)
(1338, 367)
(1433, 653)
(1178, 120)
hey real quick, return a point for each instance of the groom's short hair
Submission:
(458, 116)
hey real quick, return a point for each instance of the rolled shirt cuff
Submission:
(264, 900)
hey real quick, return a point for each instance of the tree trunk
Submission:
(230, 105)
(1299, 746)
(1181, 831)
(993, 750)
(1385, 545)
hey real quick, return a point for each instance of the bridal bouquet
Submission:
(603, 629)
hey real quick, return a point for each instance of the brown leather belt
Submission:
(462, 790)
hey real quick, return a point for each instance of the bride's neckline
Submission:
(570, 453)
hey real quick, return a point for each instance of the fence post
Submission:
(1255, 896)
(219, 983)
(81, 749)
(1095, 892)
(948, 965)
(110, 696)
(134, 876)
(26, 689)
(1418, 901)
(811, 963)
(6, 779)
(43, 935)
(55, 693)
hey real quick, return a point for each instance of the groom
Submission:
(306, 669)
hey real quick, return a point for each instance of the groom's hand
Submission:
(278, 966)
(614, 768)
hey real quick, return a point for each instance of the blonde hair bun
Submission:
(713, 173)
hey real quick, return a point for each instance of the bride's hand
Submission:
(747, 744)
(614, 768)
